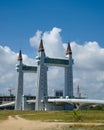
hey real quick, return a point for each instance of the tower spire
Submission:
(41, 47)
(20, 56)
(68, 51)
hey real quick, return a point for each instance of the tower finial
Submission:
(20, 56)
(41, 47)
(68, 51)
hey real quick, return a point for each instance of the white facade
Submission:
(19, 93)
(41, 90)
(68, 89)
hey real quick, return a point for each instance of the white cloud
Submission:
(52, 42)
(88, 55)
(88, 70)
(34, 41)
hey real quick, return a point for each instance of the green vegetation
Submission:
(83, 128)
(66, 116)
(98, 107)
(96, 116)
(88, 116)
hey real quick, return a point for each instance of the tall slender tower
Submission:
(68, 90)
(41, 91)
(19, 91)
(78, 92)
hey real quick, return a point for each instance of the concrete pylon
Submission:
(68, 90)
(41, 90)
(19, 91)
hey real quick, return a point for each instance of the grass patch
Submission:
(92, 116)
(83, 128)
(67, 116)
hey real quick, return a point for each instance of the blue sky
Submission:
(80, 21)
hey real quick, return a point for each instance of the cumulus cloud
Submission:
(88, 55)
(88, 70)
(52, 42)
(34, 41)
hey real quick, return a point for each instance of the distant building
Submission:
(58, 93)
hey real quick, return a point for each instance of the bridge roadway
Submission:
(62, 100)
(80, 101)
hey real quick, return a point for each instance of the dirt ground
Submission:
(17, 123)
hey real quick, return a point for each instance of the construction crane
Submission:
(10, 91)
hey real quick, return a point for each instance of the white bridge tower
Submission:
(19, 90)
(41, 90)
(41, 70)
(68, 89)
